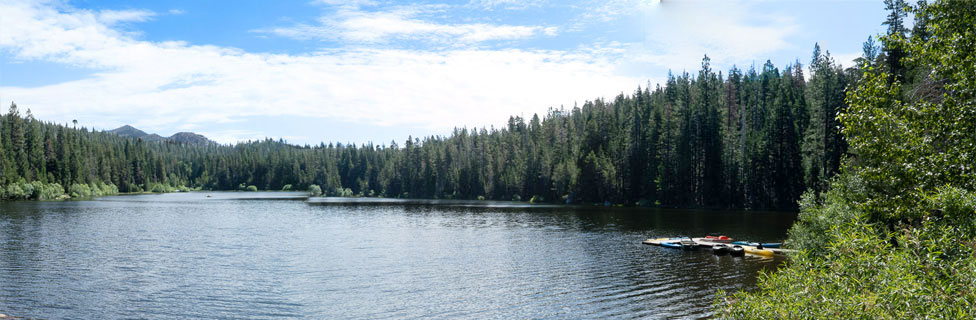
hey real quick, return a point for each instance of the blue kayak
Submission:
(756, 244)
(672, 245)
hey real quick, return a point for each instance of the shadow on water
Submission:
(187, 255)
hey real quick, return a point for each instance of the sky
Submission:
(376, 71)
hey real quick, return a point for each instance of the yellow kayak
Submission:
(658, 241)
(759, 252)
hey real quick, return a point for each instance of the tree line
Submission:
(753, 139)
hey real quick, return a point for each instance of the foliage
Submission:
(344, 192)
(47, 191)
(15, 191)
(895, 236)
(287, 187)
(859, 275)
(79, 190)
(314, 190)
(252, 188)
(164, 188)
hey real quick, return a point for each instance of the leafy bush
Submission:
(252, 188)
(159, 188)
(860, 273)
(47, 191)
(287, 187)
(27, 190)
(108, 189)
(35, 190)
(79, 190)
(15, 192)
(314, 190)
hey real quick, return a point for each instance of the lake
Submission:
(275, 255)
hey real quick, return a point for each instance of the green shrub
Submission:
(860, 273)
(537, 199)
(101, 189)
(287, 187)
(79, 190)
(110, 189)
(314, 190)
(15, 192)
(159, 188)
(28, 190)
(482, 198)
(252, 188)
(48, 191)
(516, 197)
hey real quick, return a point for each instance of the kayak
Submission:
(688, 244)
(756, 244)
(759, 252)
(672, 245)
(719, 239)
(659, 241)
(707, 242)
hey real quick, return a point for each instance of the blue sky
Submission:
(373, 70)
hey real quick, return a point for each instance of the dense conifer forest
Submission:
(754, 138)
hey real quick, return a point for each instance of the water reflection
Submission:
(189, 256)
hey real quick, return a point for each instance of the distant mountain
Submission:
(181, 137)
(131, 132)
(189, 138)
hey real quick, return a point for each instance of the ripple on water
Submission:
(180, 256)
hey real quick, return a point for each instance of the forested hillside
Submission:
(752, 138)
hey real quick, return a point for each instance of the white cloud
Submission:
(176, 12)
(506, 4)
(402, 24)
(352, 3)
(168, 84)
(677, 34)
(110, 17)
(233, 135)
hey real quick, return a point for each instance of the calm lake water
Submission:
(267, 255)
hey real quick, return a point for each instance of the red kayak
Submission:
(718, 239)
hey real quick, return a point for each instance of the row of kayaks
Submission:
(720, 245)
